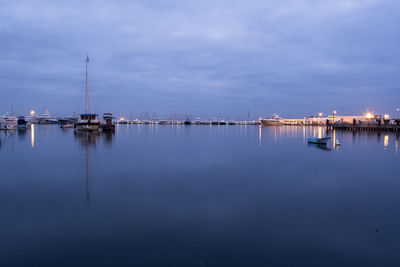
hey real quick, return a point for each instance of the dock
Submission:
(364, 127)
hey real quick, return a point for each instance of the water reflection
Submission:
(108, 137)
(319, 146)
(252, 192)
(21, 134)
(88, 141)
(386, 141)
(32, 135)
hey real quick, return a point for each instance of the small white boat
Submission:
(317, 140)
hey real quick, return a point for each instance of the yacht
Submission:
(87, 121)
(8, 122)
(108, 123)
(274, 120)
(214, 121)
(187, 122)
(45, 118)
(21, 123)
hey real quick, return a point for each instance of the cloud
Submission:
(208, 56)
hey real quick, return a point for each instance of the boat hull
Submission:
(87, 127)
(271, 123)
(320, 141)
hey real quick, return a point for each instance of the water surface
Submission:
(198, 195)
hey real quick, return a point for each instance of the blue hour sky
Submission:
(205, 58)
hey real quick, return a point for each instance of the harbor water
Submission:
(180, 195)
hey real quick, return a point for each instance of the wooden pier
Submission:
(364, 127)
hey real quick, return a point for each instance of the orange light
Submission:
(122, 119)
(32, 113)
(369, 115)
(386, 116)
(320, 114)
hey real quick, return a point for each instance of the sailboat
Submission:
(87, 121)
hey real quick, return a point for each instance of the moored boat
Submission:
(318, 140)
(8, 122)
(274, 120)
(21, 123)
(87, 121)
(108, 123)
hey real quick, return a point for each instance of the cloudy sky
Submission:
(205, 58)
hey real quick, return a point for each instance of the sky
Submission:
(208, 58)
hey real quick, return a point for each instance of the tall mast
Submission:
(86, 98)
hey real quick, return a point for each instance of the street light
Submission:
(320, 114)
(32, 113)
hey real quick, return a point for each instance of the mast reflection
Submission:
(87, 140)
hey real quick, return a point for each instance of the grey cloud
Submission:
(214, 57)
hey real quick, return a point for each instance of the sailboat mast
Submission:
(86, 98)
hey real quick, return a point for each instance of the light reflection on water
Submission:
(185, 195)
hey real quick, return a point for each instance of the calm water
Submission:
(198, 195)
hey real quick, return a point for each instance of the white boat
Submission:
(108, 123)
(317, 140)
(45, 118)
(87, 121)
(8, 122)
(274, 120)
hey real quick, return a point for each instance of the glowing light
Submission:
(386, 141)
(386, 116)
(369, 115)
(320, 114)
(122, 119)
(32, 113)
(334, 112)
(397, 109)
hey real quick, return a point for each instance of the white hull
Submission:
(271, 123)
(88, 128)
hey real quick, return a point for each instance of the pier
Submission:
(364, 127)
